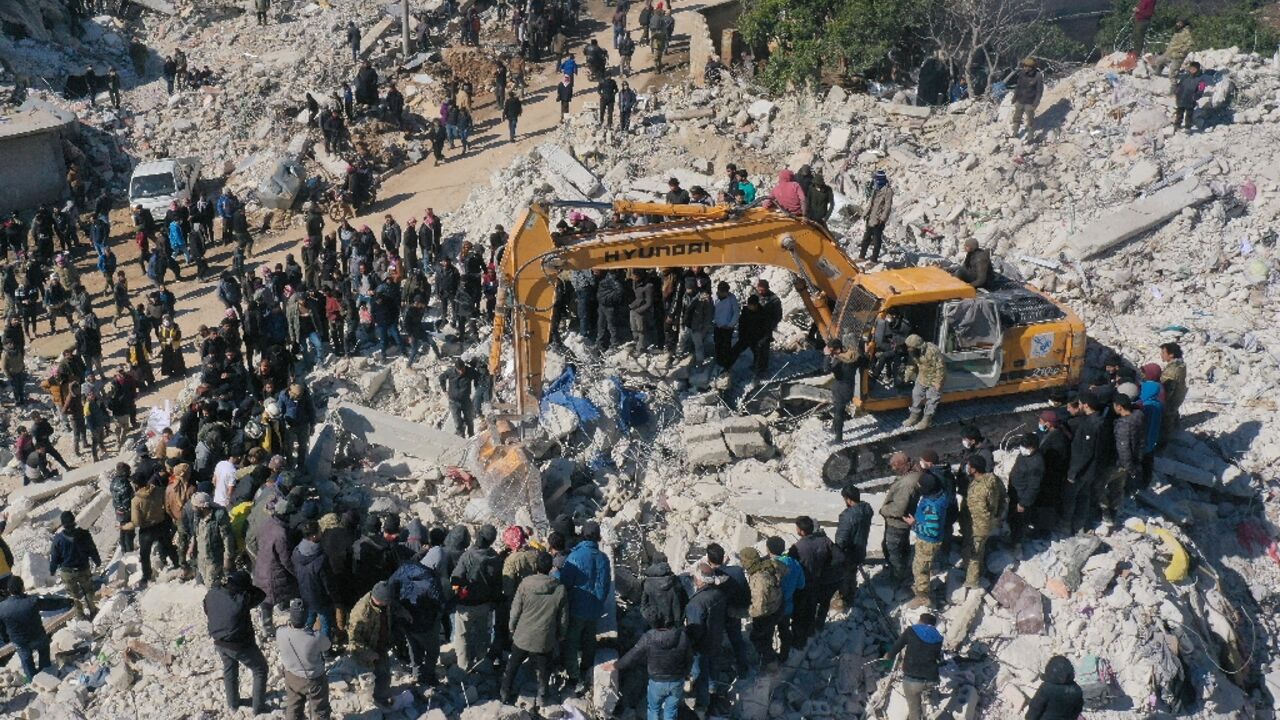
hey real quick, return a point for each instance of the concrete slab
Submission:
(160, 6)
(74, 477)
(371, 36)
(1132, 219)
(912, 111)
(568, 167)
(403, 436)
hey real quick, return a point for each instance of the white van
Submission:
(156, 184)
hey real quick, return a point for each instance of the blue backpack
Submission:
(931, 512)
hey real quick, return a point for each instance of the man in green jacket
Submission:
(538, 616)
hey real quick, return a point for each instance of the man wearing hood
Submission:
(273, 565)
(315, 579)
(336, 542)
(788, 195)
(418, 590)
(537, 625)
(667, 653)
(588, 577)
(520, 562)
(879, 205)
(371, 556)
(923, 651)
(477, 585)
(227, 606)
(302, 654)
(662, 596)
(1059, 697)
(376, 620)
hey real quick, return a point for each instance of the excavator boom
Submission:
(694, 236)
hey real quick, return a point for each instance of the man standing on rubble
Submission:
(1186, 93)
(812, 550)
(353, 39)
(457, 383)
(1174, 380)
(879, 205)
(302, 652)
(984, 506)
(923, 645)
(851, 539)
(262, 6)
(375, 622)
(72, 552)
(844, 366)
(213, 543)
(1087, 459)
(931, 371)
(1027, 90)
(898, 504)
(928, 522)
(588, 577)
(227, 606)
(477, 585)
(21, 624)
(1142, 14)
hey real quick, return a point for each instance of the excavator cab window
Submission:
(971, 338)
(888, 372)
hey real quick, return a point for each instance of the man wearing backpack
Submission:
(984, 505)
(931, 511)
(764, 577)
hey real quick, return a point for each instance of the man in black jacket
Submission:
(1024, 486)
(813, 552)
(668, 655)
(844, 366)
(1089, 448)
(1186, 92)
(706, 615)
(457, 383)
(662, 596)
(608, 89)
(72, 551)
(1130, 431)
(477, 583)
(610, 301)
(851, 538)
(923, 645)
(21, 625)
(227, 608)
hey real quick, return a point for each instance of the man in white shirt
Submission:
(725, 318)
(224, 482)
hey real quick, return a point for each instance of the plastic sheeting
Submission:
(558, 392)
(975, 323)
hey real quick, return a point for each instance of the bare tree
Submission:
(964, 30)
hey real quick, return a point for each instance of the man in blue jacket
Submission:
(923, 645)
(589, 579)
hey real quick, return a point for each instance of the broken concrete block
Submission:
(121, 677)
(1025, 602)
(45, 681)
(559, 161)
(761, 110)
(746, 444)
(807, 393)
(1184, 472)
(838, 139)
(372, 381)
(604, 685)
(742, 423)
(1133, 219)
(911, 111)
(1143, 173)
(559, 421)
(708, 453)
(694, 434)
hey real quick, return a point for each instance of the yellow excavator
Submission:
(1004, 340)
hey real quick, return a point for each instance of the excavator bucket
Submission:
(508, 477)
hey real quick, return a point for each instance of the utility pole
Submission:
(404, 29)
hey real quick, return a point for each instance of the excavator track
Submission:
(814, 461)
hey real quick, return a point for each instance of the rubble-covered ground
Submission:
(1198, 266)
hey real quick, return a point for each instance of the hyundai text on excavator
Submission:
(1005, 340)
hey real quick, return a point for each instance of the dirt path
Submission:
(406, 194)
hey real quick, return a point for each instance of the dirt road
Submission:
(404, 195)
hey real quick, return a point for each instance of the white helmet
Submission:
(273, 409)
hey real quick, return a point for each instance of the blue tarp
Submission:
(557, 392)
(633, 408)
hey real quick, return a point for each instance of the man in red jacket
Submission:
(1142, 14)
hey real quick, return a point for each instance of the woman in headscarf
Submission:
(788, 195)
(171, 361)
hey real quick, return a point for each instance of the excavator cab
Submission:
(972, 341)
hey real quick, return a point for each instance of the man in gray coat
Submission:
(537, 624)
(302, 654)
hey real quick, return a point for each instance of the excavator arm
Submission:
(692, 236)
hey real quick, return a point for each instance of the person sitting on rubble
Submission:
(976, 268)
